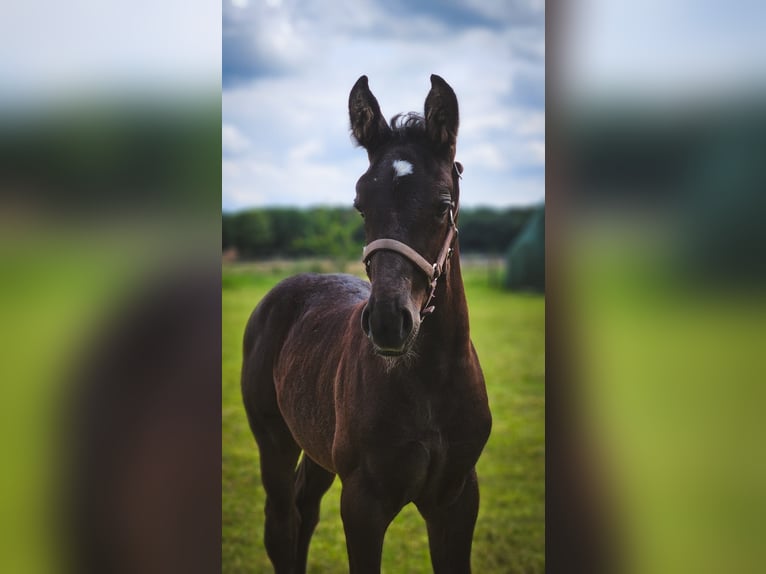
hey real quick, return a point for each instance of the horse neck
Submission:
(447, 327)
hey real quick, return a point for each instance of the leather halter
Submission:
(433, 271)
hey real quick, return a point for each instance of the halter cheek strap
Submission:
(432, 270)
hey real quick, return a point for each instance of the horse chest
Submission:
(419, 452)
(452, 449)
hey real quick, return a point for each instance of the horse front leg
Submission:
(365, 520)
(450, 529)
(311, 482)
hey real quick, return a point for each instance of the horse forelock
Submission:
(408, 125)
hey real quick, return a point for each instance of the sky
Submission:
(664, 51)
(288, 67)
(52, 51)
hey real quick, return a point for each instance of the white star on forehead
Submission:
(402, 167)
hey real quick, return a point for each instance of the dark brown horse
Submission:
(378, 383)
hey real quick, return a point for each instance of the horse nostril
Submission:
(366, 320)
(407, 322)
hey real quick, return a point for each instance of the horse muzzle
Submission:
(390, 325)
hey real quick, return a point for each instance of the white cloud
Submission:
(486, 156)
(237, 197)
(52, 48)
(532, 123)
(537, 151)
(291, 182)
(232, 140)
(696, 49)
(503, 192)
(305, 151)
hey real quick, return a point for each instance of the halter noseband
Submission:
(432, 270)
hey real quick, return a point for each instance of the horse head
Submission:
(409, 199)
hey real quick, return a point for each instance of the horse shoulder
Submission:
(307, 363)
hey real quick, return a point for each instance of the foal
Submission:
(378, 383)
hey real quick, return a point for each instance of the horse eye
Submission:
(444, 207)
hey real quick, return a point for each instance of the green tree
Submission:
(252, 232)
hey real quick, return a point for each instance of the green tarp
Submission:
(525, 259)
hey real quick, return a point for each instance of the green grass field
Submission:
(508, 332)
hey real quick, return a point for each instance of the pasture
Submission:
(508, 332)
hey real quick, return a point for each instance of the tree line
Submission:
(100, 156)
(262, 233)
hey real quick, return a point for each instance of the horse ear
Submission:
(368, 126)
(442, 117)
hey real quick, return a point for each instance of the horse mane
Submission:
(408, 125)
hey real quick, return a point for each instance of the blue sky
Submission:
(288, 67)
(668, 51)
(52, 51)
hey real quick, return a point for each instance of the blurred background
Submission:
(110, 274)
(109, 286)
(656, 284)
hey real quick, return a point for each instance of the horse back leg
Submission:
(450, 529)
(311, 482)
(278, 457)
